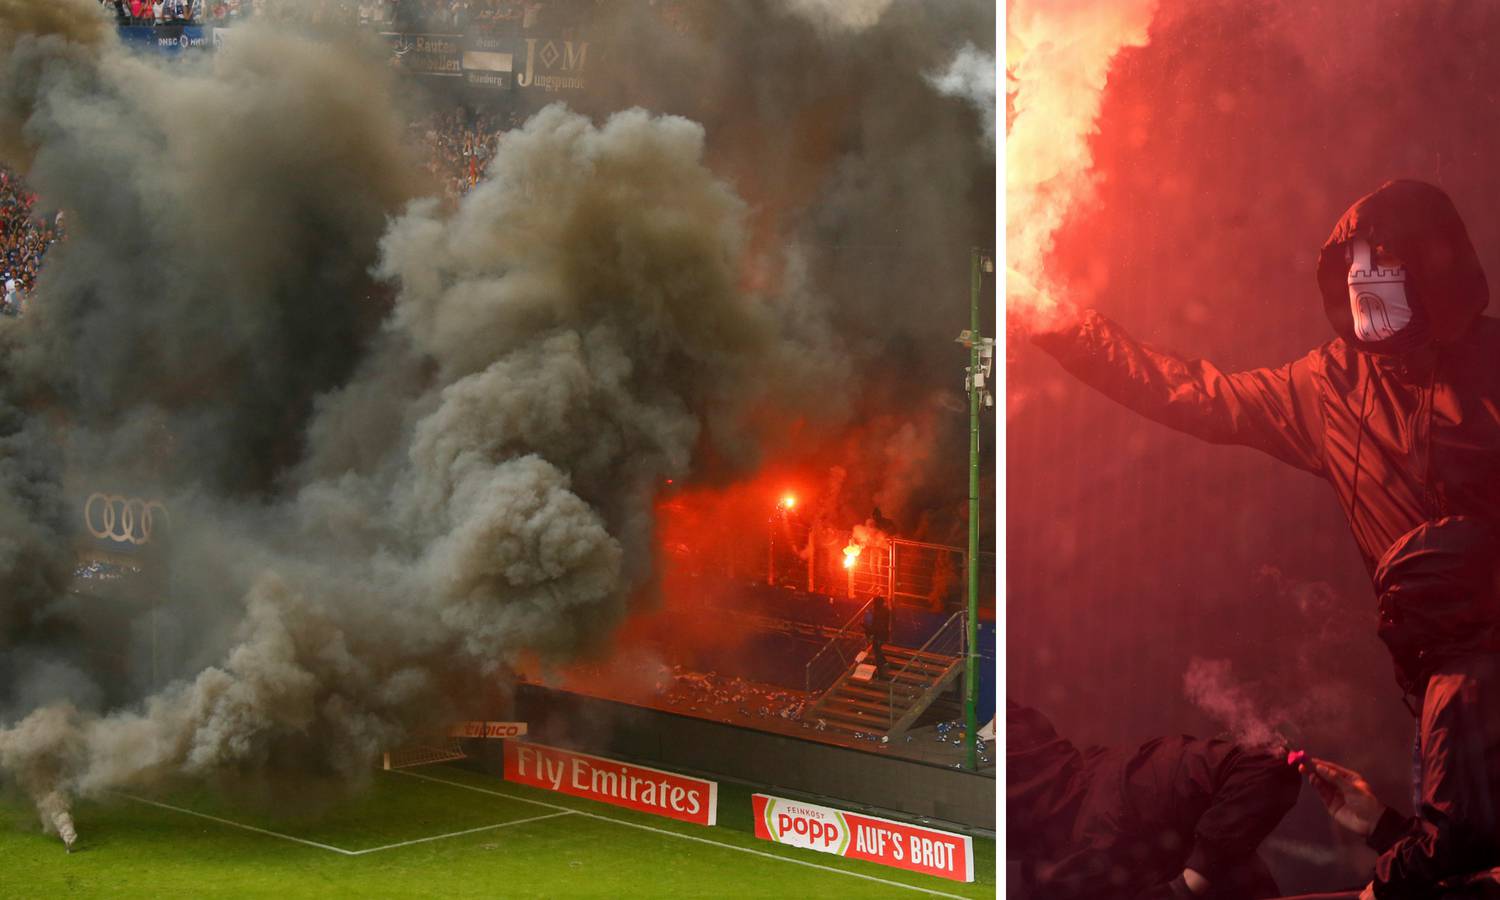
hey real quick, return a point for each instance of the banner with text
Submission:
(489, 60)
(168, 39)
(427, 54)
(488, 730)
(622, 784)
(553, 65)
(857, 836)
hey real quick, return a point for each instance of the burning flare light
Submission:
(851, 555)
(1058, 58)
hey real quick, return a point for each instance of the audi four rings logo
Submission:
(111, 517)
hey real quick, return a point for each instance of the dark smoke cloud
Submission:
(868, 183)
(1226, 149)
(402, 446)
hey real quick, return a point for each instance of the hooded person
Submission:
(1174, 817)
(1400, 414)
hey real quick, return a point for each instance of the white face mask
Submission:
(1377, 296)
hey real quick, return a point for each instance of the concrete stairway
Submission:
(888, 706)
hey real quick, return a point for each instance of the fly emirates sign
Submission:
(622, 784)
(856, 836)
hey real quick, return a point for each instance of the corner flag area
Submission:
(442, 830)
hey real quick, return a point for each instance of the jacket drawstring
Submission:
(1358, 441)
(1407, 696)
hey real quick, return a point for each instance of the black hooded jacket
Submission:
(1409, 441)
(1407, 435)
(1106, 823)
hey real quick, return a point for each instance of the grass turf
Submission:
(133, 849)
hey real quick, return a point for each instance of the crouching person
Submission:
(1176, 817)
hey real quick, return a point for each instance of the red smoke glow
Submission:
(1133, 549)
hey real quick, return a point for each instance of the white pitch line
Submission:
(287, 837)
(276, 834)
(686, 837)
(439, 837)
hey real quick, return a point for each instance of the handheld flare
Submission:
(851, 555)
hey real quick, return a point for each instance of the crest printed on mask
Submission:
(1377, 295)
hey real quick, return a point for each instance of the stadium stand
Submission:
(25, 237)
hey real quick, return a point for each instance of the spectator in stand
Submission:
(222, 11)
(11, 303)
(877, 625)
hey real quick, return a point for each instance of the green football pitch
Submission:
(432, 831)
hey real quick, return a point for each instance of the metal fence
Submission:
(910, 572)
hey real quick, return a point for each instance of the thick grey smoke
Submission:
(850, 15)
(972, 76)
(823, 117)
(402, 446)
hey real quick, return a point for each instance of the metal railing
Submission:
(947, 641)
(837, 655)
(926, 573)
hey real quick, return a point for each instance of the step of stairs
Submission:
(886, 705)
(904, 654)
(850, 703)
(879, 696)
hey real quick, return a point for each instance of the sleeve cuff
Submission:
(1391, 827)
(1066, 333)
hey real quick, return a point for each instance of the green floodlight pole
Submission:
(981, 359)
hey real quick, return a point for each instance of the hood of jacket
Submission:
(1418, 223)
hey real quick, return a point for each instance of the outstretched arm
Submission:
(1273, 410)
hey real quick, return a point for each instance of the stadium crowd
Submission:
(458, 144)
(174, 12)
(24, 240)
(432, 14)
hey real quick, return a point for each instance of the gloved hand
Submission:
(1346, 794)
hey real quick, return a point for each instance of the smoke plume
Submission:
(851, 15)
(971, 76)
(1058, 60)
(403, 446)
(1210, 683)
